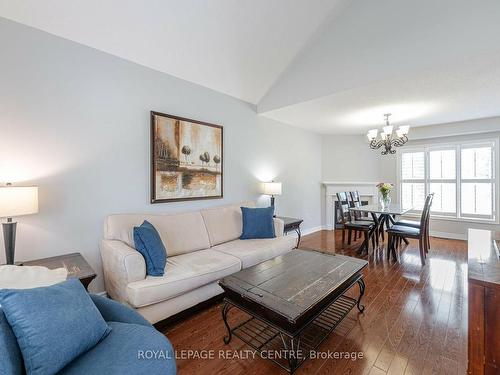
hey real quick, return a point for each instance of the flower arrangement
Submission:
(385, 188)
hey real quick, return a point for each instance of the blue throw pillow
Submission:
(148, 242)
(53, 325)
(257, 223)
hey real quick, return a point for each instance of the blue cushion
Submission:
(257, 223)
(148, 242)
(53, 325)
(11, 359)
(129, 349)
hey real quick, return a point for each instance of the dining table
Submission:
(383, 216)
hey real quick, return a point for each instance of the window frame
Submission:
(457, 146)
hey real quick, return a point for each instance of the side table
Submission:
(75, 264)
(292, 224)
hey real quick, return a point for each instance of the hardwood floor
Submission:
(415, 321)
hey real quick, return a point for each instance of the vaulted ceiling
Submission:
(331, 66)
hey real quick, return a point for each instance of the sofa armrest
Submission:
(121, 265)
(279, 227)
(116, 312)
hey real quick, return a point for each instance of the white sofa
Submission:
(202, 247)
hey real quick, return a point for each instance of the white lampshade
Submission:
(388, 129)
(404, 129)
(271, 188)
(18, 200)
(372, 134)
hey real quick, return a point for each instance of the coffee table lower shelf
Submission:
(285, 350)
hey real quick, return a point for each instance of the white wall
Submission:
(349, 158)
(75, 122)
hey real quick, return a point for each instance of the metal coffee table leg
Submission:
(225, 310)
(361, 284)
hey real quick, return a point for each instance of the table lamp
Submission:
(271, 188)
(15, 201)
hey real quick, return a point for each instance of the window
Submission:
(442, 181)
(413, 179)
(477, 182)
(461, 176)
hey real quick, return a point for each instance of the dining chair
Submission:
(416, 224)
(365, 226)
(403, 231)
(356, 201)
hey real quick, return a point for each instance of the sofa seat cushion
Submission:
(127, 350)
(182, 273)
(251, 252)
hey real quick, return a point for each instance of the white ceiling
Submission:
(331, 66)
(464, 91)
(425, 61)
(237, 47)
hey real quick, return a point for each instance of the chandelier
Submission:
(387, 137)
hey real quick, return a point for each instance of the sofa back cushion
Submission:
(224, 223)
(180, 233)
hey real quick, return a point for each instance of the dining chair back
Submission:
(343, 200)
(426, 211)
(426, 229)
(420, 232)
(361, 226)
(355, 201)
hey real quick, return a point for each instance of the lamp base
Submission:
(9, 238)
(272, 204)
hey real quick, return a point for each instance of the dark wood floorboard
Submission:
(415, 320)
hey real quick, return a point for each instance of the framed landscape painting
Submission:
(186, 159)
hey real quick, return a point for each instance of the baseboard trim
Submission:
(305, 232)
(452, 236)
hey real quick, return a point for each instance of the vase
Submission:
(384, 201)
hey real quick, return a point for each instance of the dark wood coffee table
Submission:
(294, 301)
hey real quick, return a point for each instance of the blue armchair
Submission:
(132, 347)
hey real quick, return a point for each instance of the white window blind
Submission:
(477, 182)
(413, 179)
(442, 181)
(461, 176)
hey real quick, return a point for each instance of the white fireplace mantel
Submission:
(367, 191)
